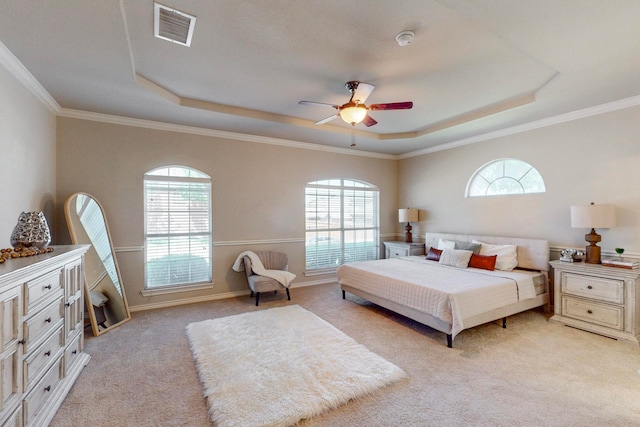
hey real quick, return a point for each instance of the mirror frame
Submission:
(71, 210)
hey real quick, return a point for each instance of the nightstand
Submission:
(599, 299)
(398, 249)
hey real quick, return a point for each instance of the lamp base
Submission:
(407, 236)
(592, 251)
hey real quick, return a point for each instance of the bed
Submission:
(453, 297)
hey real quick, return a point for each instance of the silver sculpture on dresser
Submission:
(31, 230)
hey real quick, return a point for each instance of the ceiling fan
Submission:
(355, 111)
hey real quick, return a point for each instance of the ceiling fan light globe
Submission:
(353, 114)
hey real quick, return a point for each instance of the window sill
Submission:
(320, 272)
(176, 289)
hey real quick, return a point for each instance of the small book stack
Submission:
(620, 263)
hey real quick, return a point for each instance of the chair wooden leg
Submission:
(257, 298)
(252, 293)
(288, 296)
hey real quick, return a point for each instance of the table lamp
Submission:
(593, 216)
(408, 215)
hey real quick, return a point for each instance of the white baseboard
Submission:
(215, 297)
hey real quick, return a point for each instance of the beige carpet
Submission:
(534, 373)
(280, 365)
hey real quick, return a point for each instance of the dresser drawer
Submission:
(71, 354)
(41, 358)
(609, 290)
(593, 312)
(40, 289)
(41, 391)
(43, 324)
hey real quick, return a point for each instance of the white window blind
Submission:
(177, 227)
(341, 223)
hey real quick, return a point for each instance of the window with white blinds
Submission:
(177, 227)
(341, 223)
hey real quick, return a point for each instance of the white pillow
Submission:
(507, 258)
(455, 257)
(446, 244)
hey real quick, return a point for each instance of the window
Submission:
(341, 223)
(177, 227)
(505, 176)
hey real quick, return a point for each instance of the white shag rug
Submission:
(278, 366)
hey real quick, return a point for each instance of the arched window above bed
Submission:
(505, 176)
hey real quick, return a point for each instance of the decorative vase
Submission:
(31, 230)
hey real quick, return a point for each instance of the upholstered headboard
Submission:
(532, 253)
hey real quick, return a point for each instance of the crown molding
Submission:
(169, 127)
(621, 104)
(20, 72)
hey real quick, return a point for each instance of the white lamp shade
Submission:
(408, 215)
(593, 216)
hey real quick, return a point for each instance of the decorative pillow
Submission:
(455, 258)
(485, 262)
(446, 244)
(507, 255)
(467, 246)
(434, 254)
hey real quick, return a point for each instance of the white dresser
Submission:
(599, 299)
(395, 249)
(41, 334)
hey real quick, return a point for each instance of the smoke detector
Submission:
(405, 37)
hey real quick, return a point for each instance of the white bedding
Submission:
(447, 293)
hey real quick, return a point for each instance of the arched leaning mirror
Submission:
(106, 301)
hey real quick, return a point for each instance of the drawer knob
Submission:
(590, 311)
(47, 388)
(74, 352)
(67, 304)
(22, 341)
(47, 353)
(48, 287)
(47, 320)
(589, 287)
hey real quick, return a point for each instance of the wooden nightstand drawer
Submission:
(593, 312)
(600, 288)
(400, 249)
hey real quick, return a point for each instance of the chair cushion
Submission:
(263, 284)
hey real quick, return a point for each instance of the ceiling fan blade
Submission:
(392, 106)
(368, 121)
(328, 119)
(362, 92)
(318, 104)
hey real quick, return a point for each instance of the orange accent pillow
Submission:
(485, 262)
(434, 254)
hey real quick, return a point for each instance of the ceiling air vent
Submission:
(172, 25)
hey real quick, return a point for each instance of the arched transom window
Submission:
(505, 176)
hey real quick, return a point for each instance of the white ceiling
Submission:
(469, 58)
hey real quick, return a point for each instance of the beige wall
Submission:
(595, 159)
(27, 155)
(258, 192)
